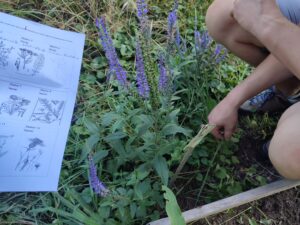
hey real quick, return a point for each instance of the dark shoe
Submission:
(265, 151)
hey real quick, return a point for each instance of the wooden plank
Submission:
(233, 201)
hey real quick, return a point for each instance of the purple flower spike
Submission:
(142, 82)
(202, 41)
(220, 53)
(178, 38)
(172, 20)
(110, 53)
(142, 9)
(218, 50)
(97, 186)
(163, 83)
(205, 40)
(173, 25)
(176, 4)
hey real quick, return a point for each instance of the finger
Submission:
(217, 133)
(228, 133)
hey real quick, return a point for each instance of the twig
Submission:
(188, 149)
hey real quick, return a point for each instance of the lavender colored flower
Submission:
(97, 186)
(220, 53)
(205, 40)
(163, 83)
(176, 5)
(202, 41)
(178, 37)
(110, 53)
(197, 40)
(142, 9)
(218, 50)
(142, 82)
(173, 25)
(172, 20)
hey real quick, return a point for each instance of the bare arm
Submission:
(224, 115)
(269, 72)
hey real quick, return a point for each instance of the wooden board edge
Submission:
(233, 201)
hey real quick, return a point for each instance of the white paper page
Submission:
(39, 75)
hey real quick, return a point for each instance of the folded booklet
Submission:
(39, 75)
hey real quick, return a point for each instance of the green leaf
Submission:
(119, 148)
(175, 98)
(161, 167)
(234, 188)
(86, 195)
(172, 129)
(109, 118)
(115, 136)
(133, 209)
(100, 74)
(252, 222)
(141, 189)
(221, 173)
(173, 116)
(262, 180)
(99, 155)
(142, 171)
(172, 207)
(186, 62)
(118, 125)
(98, 62)
(89, 145)
(91, 126)
(123, 50)
(104, 211)
(92, 141)
(144, 123)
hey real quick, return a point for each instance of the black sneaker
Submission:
(265, 151)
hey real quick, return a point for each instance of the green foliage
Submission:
(172, 207)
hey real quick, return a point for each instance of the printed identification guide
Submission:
(39, 75)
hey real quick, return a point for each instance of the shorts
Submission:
(290, 9)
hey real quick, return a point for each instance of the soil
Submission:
(250, 153)
(279, 209)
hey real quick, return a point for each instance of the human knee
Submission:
(219, 21)
(291, 112)
(284, 150)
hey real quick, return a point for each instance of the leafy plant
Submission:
(172, 208)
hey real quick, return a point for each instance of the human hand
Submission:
(225, 117)
(249, 13)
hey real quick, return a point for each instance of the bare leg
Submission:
(225, 30)
(284, 150)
